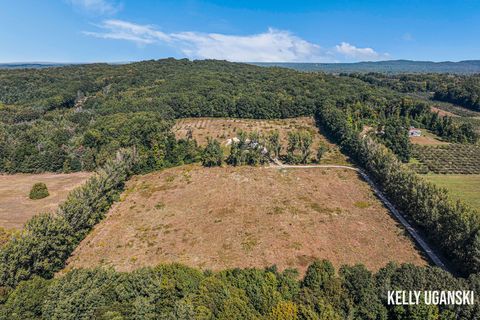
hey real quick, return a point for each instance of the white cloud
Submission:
(352, 52)
(123, 30)
(96, 6)
(271, 46)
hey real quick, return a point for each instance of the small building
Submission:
(414, 132)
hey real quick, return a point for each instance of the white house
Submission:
(414, 132)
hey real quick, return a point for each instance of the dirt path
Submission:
(411, 230)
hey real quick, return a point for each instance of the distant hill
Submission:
(392, 66)
(30, 65)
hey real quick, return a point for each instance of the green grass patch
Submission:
(362, 204)
(160, 206)
(463, 187)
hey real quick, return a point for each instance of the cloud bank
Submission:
(350, 51)
(270, 46)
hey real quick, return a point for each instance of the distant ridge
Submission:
(30, 65)
(391, 66)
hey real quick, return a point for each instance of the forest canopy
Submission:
(69, 118)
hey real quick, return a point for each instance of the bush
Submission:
(39, 191)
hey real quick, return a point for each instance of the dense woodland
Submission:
(386, 67)
(71, 118)
(117, 120)
(179, 292)
(458, 89)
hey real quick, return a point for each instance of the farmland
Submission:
(449, 159)
(246, 217)
(16, 207)
(224, 129)
(463, 187)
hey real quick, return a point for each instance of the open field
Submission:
(15, 205)
(223, 129)
(464, 187)
(216, 218)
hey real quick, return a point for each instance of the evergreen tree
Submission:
(212, 154)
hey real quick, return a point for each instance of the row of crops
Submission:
(447, 159)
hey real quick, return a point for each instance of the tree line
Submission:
(178, 292)
(255, 148)
(453, 227)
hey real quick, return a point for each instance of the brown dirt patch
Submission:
(15, 205)
(223, 129)
(443, 112)
(217, 218)
(428, 139)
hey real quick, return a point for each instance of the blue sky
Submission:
(287, 31)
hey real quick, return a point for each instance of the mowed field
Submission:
(460, 186)
(226, 217)
(15, 205)
(224, 129)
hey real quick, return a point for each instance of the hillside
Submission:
(217, 218)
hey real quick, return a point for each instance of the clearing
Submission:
(464, 187)
(427, 138)
(224, 129)
(15, 205)
(226, 217)
(442, 112)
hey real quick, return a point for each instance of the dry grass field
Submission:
(223, 129)
(226, 217)
(15, 205)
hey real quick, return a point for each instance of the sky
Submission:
(247, 31)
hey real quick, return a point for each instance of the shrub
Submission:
(39, 191)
